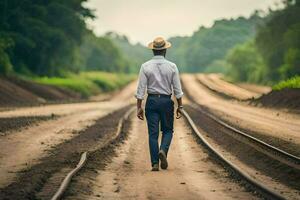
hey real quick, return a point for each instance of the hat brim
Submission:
(166, 46)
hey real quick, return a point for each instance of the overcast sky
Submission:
(142, 20)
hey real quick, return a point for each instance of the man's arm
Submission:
(179, 102)
(142, 84)
(179, 108)
(140, 111)
(178, 93)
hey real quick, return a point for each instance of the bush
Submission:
(107, 81)
(5, 64)
(245, 64)
(290, 83)
(88, 83)
(85, 87)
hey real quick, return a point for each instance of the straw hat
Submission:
(159, 43)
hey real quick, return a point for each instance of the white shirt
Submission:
(159, 76)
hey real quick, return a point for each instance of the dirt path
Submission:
(279, 177)
(23, 148)
(123, 96)
(255, 88)
(269, 122)
(191, 173)
(215, 82)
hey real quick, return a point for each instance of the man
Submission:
(159, 76)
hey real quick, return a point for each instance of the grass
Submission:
(88, 83)
(108, 81)
(290, 83)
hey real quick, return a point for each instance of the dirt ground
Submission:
(45, 150)
(15, 92)
(256, 95)
(31, 143)
(42, 179)
(12, 94)
(278, 176)
(255, 88)
(16, 123)
(125, 96)
(274, 123)
(191, 173)
(286, 98)
(47, 92)
(217, 84)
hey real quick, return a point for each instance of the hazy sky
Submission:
(142, 20)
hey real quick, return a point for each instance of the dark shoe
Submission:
(163, 159)
(155, 167)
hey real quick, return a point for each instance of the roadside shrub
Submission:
(5, 64)
(290, 83)
(88, 83)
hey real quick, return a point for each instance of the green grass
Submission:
(108, 81)
(88, 83)
(290, 83)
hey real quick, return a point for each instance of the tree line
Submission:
(51, 38)
(273, 54)
(204, 50)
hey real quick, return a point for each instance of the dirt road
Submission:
(269, 123)
(215, 82)
(191, 173)
(23, 148)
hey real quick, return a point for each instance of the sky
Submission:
(143, 20)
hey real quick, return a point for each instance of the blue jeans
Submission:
(159, 110)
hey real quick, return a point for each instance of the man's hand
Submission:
(179, 109)
(179, 113)
(140, 113)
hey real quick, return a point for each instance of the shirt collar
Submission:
(158, 57)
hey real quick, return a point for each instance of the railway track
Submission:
(84, 157)
(275, 153)
(264, 191)
(263, 147)
(255, 185)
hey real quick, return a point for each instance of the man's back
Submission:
(159, 76)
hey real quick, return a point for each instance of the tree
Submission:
(278, 41)
(45, 34)
(208, 45)
(5, 64)
(100, 53)
(245, 64)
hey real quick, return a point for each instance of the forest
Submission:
(273, 54)
(51, 38)
(264, 48)
(207, 46)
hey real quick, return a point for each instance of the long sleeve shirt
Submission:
(159, 76)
